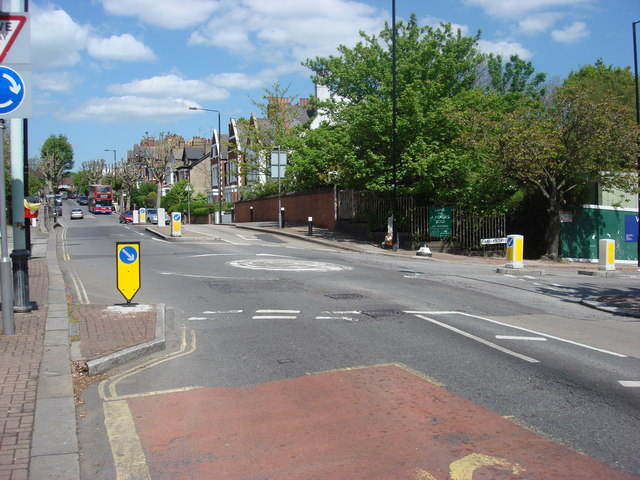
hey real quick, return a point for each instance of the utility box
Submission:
(515, 248)
(607, 254)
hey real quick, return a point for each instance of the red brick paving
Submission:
(20, 357)
(106, 330)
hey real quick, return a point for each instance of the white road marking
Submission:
(630, 383)
(213, 277)
(480, 340)
(277, 311)
(288, 265)
(199, 318)
(509, 337)
(274, 317)
(348, 319)
(209, 255)
(214, 312)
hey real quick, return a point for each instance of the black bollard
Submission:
(20, 260)
(310, 225)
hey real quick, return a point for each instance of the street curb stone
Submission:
(102, 364)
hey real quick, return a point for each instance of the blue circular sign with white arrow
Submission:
(176, 217)
(128, 254)
(11, 90)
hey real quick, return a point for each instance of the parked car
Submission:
(76, 213)
(83, 200)
(126, 216)
(152, 216)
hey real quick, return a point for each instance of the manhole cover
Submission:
(343, 296)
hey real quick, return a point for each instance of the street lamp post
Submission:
(635, 64)
(219, 152)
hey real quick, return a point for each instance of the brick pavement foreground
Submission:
(20, 357)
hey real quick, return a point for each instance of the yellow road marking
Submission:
(463, 469)
(112, 382)
(128, 456)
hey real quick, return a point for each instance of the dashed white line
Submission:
(630, 383)
(511, 337)
(274, 317)
(480, 340)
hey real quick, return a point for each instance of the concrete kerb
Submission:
(101, 365)
(54, 449)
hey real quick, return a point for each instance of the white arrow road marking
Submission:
(15, 87)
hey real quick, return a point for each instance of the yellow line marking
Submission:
(420, 474)
(128, 456)
(391, 364)
(112, 382)
(463, 469)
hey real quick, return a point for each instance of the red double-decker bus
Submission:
(100, 199)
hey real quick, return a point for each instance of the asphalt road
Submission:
(291, 360)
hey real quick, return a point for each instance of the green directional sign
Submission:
(128, 268)
(440, 221)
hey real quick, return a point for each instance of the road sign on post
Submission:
(128, 268)
(15, 71)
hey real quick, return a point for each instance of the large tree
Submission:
(580, 139)
(158, 159)
(56, 158)
(433, 65)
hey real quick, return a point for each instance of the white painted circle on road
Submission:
(288, 265)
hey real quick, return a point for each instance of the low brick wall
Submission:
(297, 208)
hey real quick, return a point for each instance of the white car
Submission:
(76, 213)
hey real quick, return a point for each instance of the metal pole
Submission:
(394, 143)
(635, 64)
(8, 325)
(20, 253)
(279, 199)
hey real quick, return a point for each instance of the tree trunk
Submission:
(553, 234)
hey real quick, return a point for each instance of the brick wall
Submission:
(298, 207)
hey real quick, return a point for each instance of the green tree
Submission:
(433, 65)
(56, 158)
(82, 180)
(515, 76)
(578, 140)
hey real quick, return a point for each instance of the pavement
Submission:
(59, 343)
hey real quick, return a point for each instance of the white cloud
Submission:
(127, 109)
(287, 30)
(55, 38)
(572, 33)
(504, 48)
(435, 22)
(170, 14)
(122, 47)
(55, 82)
(539, 22)
(515, 9)
(170, 86)
(237, 80)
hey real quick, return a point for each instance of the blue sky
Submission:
(105, 72)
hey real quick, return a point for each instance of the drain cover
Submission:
(343, 296)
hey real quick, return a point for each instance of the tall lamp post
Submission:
(219, 152)
(114, 165)
(394, 143)
(635, 65)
